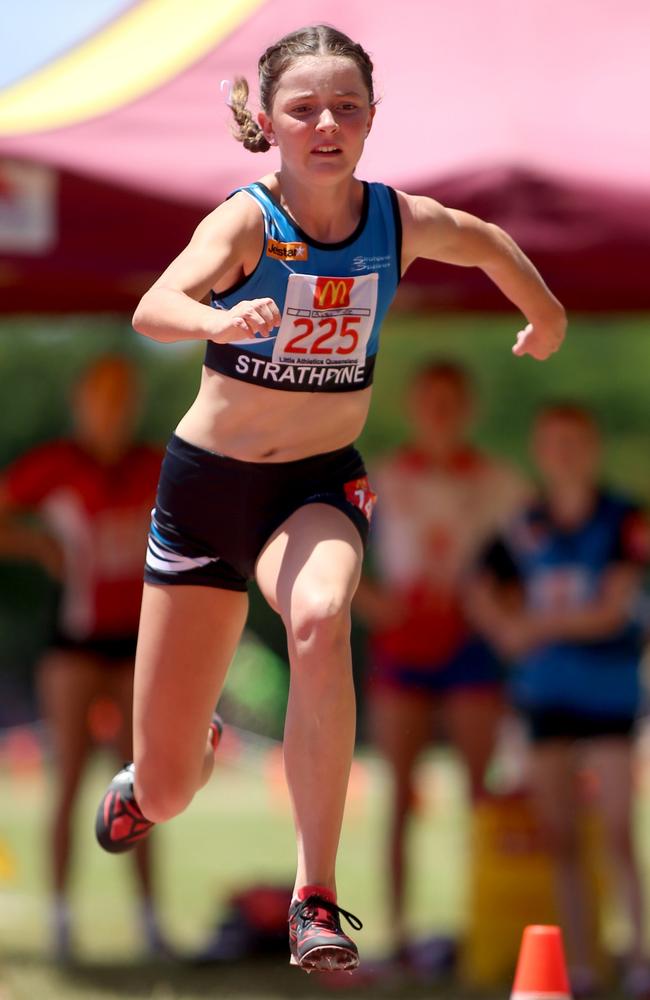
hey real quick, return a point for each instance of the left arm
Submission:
(596, 621)
(437, 233)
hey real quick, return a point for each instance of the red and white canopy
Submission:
(527, 113)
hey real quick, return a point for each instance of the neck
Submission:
(439, 452)
(570, 503)
(329, 212)
(105, 454)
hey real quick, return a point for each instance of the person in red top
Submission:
(93, 494)
(440, 500)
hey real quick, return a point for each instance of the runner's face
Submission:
(566, 450)
(320, 117)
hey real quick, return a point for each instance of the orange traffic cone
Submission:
(541, 970)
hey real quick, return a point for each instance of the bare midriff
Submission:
(256, 424)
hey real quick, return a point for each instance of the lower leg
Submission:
(555, 792)
(472, 717)
(576, 916)
(318, 746)
(308, 573)
(401, 724)
(398, 865)
(67, 685)
(612, 759)
(629, 882)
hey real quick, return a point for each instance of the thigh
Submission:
(554, 786)
(472, 717)
(315, 554)
(68, 683)
(401, 724)
(187, 638)
(612, 760)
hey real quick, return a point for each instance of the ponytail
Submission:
(245, 128)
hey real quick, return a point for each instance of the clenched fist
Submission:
(540, 340)
(248, 318)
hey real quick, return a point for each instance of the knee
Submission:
(160, 793)
(319, 620)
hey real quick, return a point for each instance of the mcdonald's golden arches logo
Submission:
(332, 293)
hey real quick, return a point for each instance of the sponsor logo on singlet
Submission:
(372, 263)
(332, 293)
(286, 251)
(322, 341)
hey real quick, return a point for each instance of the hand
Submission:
(515, 635)
(46, 551)
(540, 340)
(248, 317)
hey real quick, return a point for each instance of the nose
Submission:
(327, 122)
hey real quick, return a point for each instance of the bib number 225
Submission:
(333, 335)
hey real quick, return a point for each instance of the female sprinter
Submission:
(261, 479)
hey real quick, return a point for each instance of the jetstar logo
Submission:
(286, 251)
(332, 293)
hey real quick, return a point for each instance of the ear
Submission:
(371, 117)
(265, 124)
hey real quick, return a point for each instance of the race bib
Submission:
(326, 321)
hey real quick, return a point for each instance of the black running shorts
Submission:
(550, 724)
(214, 514)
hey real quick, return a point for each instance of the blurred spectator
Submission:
(558, 594)
(440, 500)
(87, 502)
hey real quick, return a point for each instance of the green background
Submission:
(604, 363)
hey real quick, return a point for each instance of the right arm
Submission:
(225, 247)
(22, 540)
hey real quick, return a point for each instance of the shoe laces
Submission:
(325, 913)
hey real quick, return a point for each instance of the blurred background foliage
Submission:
(604, 363)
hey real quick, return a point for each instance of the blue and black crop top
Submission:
(332, 297)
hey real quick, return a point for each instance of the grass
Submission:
(237, 832)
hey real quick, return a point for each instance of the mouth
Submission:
(326, 151)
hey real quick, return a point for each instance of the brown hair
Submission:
(567, 409)
(317, 40)
(447, 369)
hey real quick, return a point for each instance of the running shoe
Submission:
(315, 937)
(215, 730)
(120, 823)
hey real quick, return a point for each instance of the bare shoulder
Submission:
(416, 208)
(224, 247)
(237, 219)
(426, 224)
